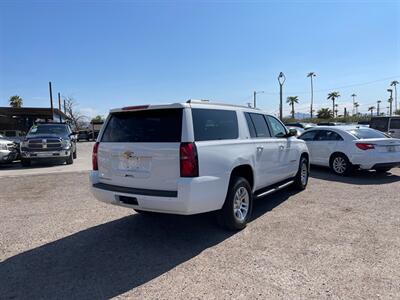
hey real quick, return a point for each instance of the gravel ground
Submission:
(338, 239)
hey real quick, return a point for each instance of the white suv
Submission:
(195, 157)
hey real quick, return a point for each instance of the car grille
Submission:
(45, 144)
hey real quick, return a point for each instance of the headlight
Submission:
(66, 144)
(3, 147)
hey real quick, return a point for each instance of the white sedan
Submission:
(343, 148)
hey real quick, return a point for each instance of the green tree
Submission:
(291, 101)
(324, 113)
(15, 101)
(98, 119)
(371, 109)
(333, 96)
(397, 112)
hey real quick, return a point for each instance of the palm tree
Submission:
(292, 100)
(311, 75)
(324, 113)
(356, 105)
(15, 101)
(353, 96)
(378, 111)
(333, 96)
(394, 83)
(371, 109)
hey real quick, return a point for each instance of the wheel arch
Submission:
(245, 171)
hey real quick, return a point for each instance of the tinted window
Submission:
(250, 125)
(157, 126)
(278, 130)
(260, 125)
(395, 124)
(380, 124)
(367, 133)
(327, 135)
(308, 136)
(213, 124)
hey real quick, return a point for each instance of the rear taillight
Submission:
(94, 156)
(188, 160)
(365, 146)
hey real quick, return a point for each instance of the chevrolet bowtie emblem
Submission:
(128, 154)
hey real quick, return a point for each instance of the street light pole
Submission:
(281, 80)
(311, 75)
(255, 97)
(354, 102)
(390, 101)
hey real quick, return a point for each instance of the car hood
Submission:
(45, 136)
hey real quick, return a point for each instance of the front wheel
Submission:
(301, 179)
(70, 159)
(238, 205)
(340, 165)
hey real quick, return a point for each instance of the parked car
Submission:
(330, 124)
(302, 125)
(49, 141)
(195, 157)
(388, 125)
(84, 135)
(8, 150)
(343, 148)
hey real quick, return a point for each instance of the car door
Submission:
(325, 143)
(308, 137)
(288, 156)
(267, 152)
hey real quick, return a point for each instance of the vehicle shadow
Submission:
(109, 259)
(360, 177)
(16, 165)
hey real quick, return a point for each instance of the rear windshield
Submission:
(367, 133)
(146, 126)
(214, 124)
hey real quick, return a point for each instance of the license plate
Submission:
(391, 148)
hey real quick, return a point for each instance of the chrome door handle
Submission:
(281, 148)
(260, 148)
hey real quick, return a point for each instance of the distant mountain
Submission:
(300, 116)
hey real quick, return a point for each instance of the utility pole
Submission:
(51, 101)
(65, 107)
(345, 112)
(378, 110)
(390, 101)
(254, 99)
(281, 80)
(59, 106)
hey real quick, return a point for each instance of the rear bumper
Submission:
(193, 195)
(371, 161)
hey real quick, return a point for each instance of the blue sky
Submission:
(111, 54)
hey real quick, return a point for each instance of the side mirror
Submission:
(292, 132)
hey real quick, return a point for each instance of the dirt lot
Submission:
(338, 239)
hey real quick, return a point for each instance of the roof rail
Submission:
(204, 101)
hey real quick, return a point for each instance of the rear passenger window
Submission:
(214, 124)
(260, 125)
(250, 124)
(380, 124)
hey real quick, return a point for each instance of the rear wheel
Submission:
(340, 164)
(301, 179)
(25, 162)
(238, 205)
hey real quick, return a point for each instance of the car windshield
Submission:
(57, 130)
(366, 133)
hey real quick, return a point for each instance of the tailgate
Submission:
(140, 149)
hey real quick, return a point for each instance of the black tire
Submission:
(74, 156)
(25, 162)
(383, 170)
(70, 159)
(340, 164)
(229, 215)
(301, 178)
